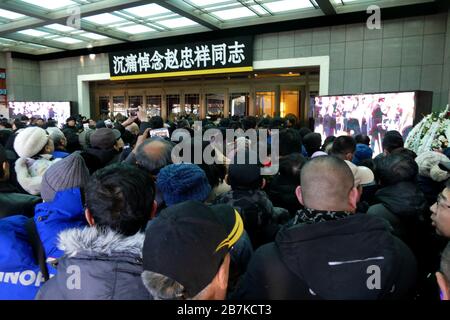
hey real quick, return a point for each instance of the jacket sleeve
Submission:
(264, 279)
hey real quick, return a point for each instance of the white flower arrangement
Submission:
(431, 133)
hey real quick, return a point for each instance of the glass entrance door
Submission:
(239, 104)
(192, 103)
(215, 105)
(119, 105)
(153, 105)
(173, 104)
(289, 102)
(104, 106)
(265, 103)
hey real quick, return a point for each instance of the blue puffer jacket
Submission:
(20, 276)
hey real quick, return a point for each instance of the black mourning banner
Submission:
(209, 57)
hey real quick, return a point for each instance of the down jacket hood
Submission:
(336, 258)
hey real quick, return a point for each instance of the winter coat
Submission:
(98, 264)
(403, 205)
(356, 257)
(20, 275)
(406, 209)
(12, 202)
(261, 219)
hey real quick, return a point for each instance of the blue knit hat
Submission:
(362, 152)
(181, 182)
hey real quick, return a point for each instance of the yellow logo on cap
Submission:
(235, 234)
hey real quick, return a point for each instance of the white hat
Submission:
(363, 175)
(55, 133)
(428, 163)
(30, 141)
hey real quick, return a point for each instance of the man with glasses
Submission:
(441, 212)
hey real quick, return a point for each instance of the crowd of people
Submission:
(100, 210)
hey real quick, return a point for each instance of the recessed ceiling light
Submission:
(67, 40)
(136, 29)
(104, 18)
(59, 27)
(10, 15)
(147, 10)
(177, 23)
(33, 33)
(50, 4)
(231, 14)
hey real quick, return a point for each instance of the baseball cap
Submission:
(363, 175)
(188, 241)
(104, 138)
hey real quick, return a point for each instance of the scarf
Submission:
(310, 216)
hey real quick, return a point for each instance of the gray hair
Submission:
(165, 288)
(158, 159)
(56, 134)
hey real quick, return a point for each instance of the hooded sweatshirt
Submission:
(354, 257)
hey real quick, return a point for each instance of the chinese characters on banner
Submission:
(225, 55)
(3, 94)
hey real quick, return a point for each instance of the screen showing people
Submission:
(369, 114)
(58, 111)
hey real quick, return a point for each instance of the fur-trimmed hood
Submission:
(108, 265)
(103, 241)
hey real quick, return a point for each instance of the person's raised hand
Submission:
(142, 114)
(141, 139)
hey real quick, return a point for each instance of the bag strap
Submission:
(38, 249)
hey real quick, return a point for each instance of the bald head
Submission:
(327, 184)
(154, 154)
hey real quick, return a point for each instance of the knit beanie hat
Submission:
(428, 163)
(181, 182)
(362, 152)
(70, 172)
(30, 141)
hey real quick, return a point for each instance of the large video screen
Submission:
(369, 114)
(58, 111)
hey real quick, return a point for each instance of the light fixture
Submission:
(92, 56)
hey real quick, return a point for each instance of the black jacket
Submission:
(406, 209)
(331, 260)
(13, 202)
(97, 265)
(403, 205)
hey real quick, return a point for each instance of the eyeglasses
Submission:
(440, 202)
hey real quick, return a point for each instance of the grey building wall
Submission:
(22, 79)
(59, 77)
(405, 54)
